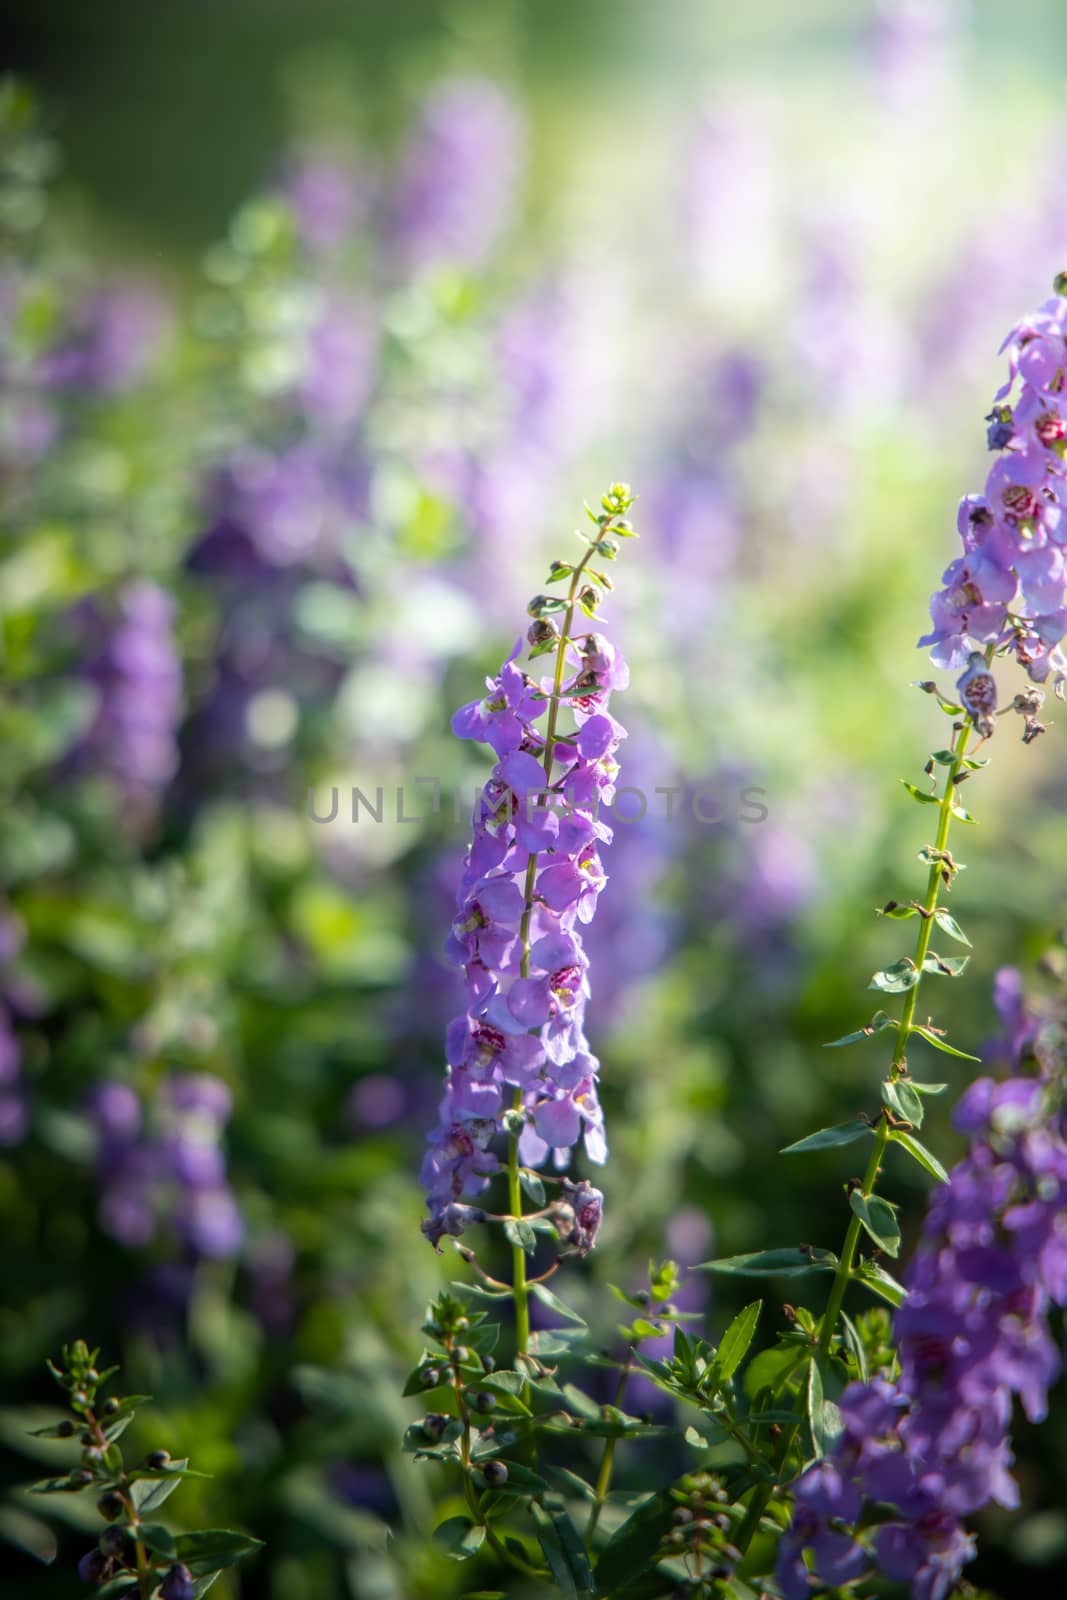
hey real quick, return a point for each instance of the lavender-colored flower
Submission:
(329, 197)
(172, 1171)
(455, 192)
(1008, 589)
(972, 1337)
(136, 672)
(531, 880)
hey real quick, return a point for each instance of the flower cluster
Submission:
(518, 1057)
(136, 672)
(1007, 589)
(972, 1335)
(176, 1172)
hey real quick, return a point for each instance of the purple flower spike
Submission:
(934, 1447)
(1008, 588)
(532, 879)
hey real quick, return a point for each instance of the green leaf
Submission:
(554, 1303)
(939, 1043)
(518, 1233)
(879, 1218)
(459, 1538)
(922, 795)
(783, 1263)
(532, 1187)
(948, 923)
(855, 1344)
(735, 1342)
(158, 1539)
(929, 1088)
(61, 1485)
(897, 913)
(899, 1095)
(122, 1585)
(772, 1369)
(828, 1138)
(878, 1024)
(945, 966)
(630, 1547)
(881, 1282)
(919, 1153)
(149, 1488)
(824, 1417)
(960, 812)
(564, 1552)
(898, 978)
(210, 1549)
(570, 1481)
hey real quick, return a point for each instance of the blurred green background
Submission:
(299, 392)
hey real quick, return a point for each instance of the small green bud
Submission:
(608, 548)
(588, 597)
(461, 1355)
(111, 1506)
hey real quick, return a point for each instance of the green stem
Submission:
(519, 1288)
(907, 1017)
(607, 1460)
(761, 1499)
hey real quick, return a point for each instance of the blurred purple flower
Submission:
(456, 189)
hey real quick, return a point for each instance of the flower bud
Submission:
(111, 1406)
(178, 1584)
(158, 1459)
(496, 1474)
(430, 1377)
(434, 1424)
(65, 1429)
(112, 1541)
(608, 548)
(94, 1567)
(111, 1506)
(588, 597)
(483, 1401)
(542, 632)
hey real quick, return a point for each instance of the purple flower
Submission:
(456, 189)
(136, 671)
(531, 880)
(1008, 589)
(168, 1167)
(972, 1338)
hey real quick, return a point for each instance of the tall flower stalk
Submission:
(1004, 596)
(519, 1065)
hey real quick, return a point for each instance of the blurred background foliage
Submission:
(319, 322)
